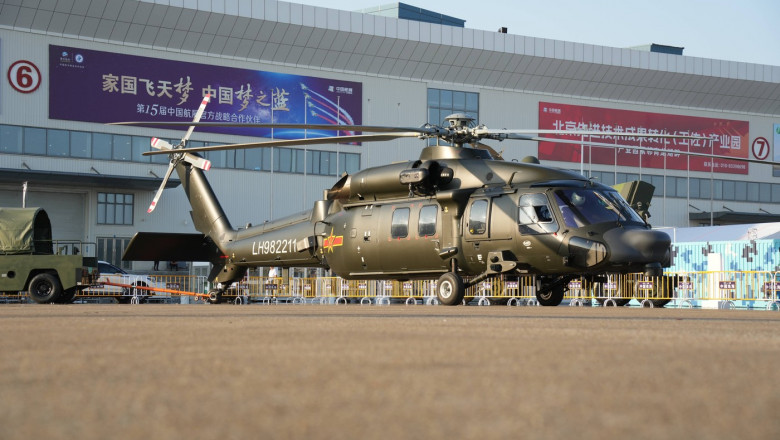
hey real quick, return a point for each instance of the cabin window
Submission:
(427, 225)
(478, 217)
(399, 228)
(534, 215)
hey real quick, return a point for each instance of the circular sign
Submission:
(760, 148)
(24, 76)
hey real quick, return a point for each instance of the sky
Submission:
(736, 30)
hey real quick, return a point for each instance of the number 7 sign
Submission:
(760, 148)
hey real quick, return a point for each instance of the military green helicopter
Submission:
(457, 212)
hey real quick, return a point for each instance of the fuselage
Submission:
(414, 219)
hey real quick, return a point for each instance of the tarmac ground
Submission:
(87, 371)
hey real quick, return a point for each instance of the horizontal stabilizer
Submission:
(160, 246)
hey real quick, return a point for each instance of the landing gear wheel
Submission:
(552, 297)
(450, 289)
(45, 288)
(215, 296)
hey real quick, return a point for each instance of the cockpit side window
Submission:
(571, 216)
(534, 215)
(478, 217)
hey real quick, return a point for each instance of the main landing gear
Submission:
(550, 292)
(451, 289)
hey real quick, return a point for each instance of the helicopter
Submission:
(459, 214)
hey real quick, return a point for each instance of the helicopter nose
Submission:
(638, 245)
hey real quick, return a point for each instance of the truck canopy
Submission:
(25, 231)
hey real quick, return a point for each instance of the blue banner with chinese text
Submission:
(95, 86)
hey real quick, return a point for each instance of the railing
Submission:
(693, 289)
(726, 289)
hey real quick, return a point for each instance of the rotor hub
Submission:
(459, 128)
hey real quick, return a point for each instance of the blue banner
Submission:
(95, 86)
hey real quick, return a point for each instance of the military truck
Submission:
(30, 261)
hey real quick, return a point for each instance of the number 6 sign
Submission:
(24, 76)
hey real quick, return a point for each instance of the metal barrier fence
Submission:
(683, 289)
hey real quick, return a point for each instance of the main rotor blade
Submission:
(523, 134)
(329, 127)
(295, 142)
(162, 187)
(660, 150)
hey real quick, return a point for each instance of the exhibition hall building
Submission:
(71, 68)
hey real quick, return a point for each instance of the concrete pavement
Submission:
(376, 372)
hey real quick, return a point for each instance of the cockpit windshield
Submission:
(580, 207)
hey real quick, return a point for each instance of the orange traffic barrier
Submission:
(157, 289)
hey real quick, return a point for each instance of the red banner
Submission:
(728, 138)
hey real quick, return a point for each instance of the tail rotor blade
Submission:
(197, 161)
(162, 187)
(160, 144)
(197, 117)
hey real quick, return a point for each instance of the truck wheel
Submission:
(45, 288)
(450, 289)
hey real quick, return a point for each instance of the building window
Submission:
(58, 143)
(105, 146)
(729, 190)
(10, 139)
(115, 209)
(80, 144)
(764, 191)
(442, 103)
(101, 146)
(34, 140)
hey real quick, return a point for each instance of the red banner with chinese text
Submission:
(728, 138)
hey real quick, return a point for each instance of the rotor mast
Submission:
(459, 129)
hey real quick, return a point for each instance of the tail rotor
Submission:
(177, 153)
